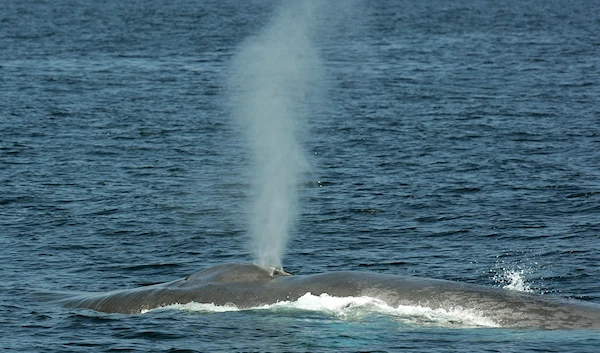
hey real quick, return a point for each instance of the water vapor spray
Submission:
(275, 76)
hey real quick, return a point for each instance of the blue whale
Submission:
(250, 285)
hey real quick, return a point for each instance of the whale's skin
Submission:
(249, 285)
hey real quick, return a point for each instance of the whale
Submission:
(248, 285)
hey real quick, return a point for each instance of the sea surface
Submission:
(457, 140)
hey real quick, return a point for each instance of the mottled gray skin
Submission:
(248, 285)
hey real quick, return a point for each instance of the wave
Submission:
(356, 309)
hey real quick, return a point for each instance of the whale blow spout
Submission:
(273, 88)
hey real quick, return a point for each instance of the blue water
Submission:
(455, 140)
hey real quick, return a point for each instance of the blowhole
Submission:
(273, 271)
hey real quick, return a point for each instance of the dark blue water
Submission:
(458, 140)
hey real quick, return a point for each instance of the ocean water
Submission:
(457, 140)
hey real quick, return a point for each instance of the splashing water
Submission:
(275, 74)
(513, 280)
(515, 269)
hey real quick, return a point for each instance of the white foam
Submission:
(455, 316)
(359, 308)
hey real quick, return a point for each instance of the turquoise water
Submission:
(447, 140)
